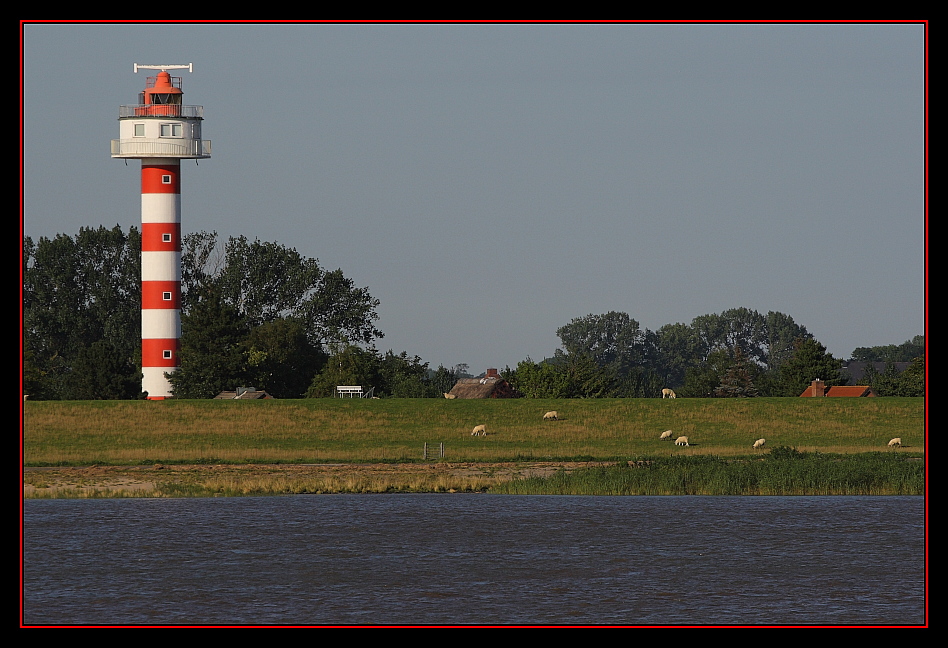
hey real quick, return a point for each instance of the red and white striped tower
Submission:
(161, 131)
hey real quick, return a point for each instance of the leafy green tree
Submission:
(767, 383)
(577, 376)
(809, 362)
(586, 378)
(640, 383)
(442, 380)
(677, 347)
(201, 263)
(766, 340)
(778, 337)
(703, 379)
(335, 309)
(888, 383)
(281, 359)
(744, 329)
(213, 360)
(539, 380)
(391, 375)
(101, 372)
(870, 376)
(912, 380)
(288, 304)
(633, 362)
(892, 382)
(348, 364)
(33, 383)
(78, 291)
(266, 281)
(905, 352)
(612, 338)
(711, 334)
(611, 356)
(404, 376)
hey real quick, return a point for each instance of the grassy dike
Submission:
(230, 436)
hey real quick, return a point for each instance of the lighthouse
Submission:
(161, 131)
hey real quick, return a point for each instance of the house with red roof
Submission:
(819, 388)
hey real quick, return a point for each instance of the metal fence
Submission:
(432, 452)
(161, 110)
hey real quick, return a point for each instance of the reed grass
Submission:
(228, 487)
(395, 430)
(804, 474)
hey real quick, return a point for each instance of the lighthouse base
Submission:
(155, 383)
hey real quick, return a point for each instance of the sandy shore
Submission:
(143, 480)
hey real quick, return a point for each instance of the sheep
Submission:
(550, 416)
(681, 441)
(896, 442)
(668, 393)
(480, 430)
(759, 443)
(667, 434)
(449, 396)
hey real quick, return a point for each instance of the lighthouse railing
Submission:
(152, 148)
(161, 110)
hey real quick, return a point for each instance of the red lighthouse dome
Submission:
(162, 96)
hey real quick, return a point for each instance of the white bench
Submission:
(349, 391)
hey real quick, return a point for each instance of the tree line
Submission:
(736, 353)
(253, 314)
(261, 314)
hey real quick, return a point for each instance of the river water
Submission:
(460, 559)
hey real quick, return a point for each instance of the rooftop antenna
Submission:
(163, 68)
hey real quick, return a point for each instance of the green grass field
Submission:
(395, 430)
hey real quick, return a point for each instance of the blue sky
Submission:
(491, 182)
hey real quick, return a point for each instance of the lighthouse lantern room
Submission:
(161, 131)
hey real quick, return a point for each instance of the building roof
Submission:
(857, 368)
(845, 391)
(487, 387)
(854, 391)
(242, 394)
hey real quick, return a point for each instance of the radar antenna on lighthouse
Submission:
(161, 131)
(189, 67)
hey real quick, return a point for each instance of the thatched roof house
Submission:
(490, 386)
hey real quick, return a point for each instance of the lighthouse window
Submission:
(139, 130)
(166, 296)
(166, 238)
(170, 130)
(161, 98)
(166, 179)
(166, 354)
